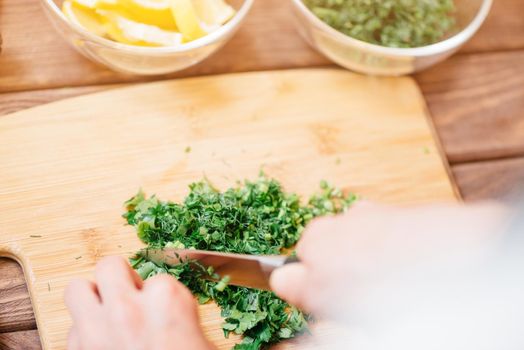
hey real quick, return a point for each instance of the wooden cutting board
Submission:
(67, 167)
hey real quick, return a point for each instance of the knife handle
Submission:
(291, 259)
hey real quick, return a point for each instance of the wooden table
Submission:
(476, 99)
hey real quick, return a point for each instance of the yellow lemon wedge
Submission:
(187, 20)
(110, 5)
(126, 9)
(153, 12)
(213, 12)
(149, 22)
(84, 17)
(124, 30)
(90, 4)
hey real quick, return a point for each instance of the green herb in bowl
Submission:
(392, 23)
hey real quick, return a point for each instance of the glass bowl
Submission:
(144, 60)
(374, 59)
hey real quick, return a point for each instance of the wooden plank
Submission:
(268, 40)
(500, 179)
(16, 312)
(11, 102)
(499, 32)
(22, 340)
(477, 103)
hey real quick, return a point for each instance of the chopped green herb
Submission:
(188, 149)
(426, 150)
(78, 257)
(222, 284)
(145, 269)
(393, 23)
(35, 236)
(175, 245)
(253, 218)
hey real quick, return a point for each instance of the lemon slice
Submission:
(90, 4)
(149, 22)
(153, 12)
(213, 12)
(124, 30)
(111, 5)
(84, 17)
(187, 20)
(126, 9)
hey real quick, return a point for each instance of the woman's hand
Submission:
(352, 263)
(119, 311)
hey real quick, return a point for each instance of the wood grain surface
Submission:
(16, 312)
(267, 40)
(11, 102)
(476, 115)
(46, 61)
(456, 90)
(21, 340)
(477, 103)
(73, 174)
(499, 179)
(477, 181)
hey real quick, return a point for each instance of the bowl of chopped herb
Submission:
(389, 37)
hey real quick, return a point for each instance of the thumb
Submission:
(289, 283)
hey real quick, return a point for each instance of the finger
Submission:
(115, 277)
(164, 292)
(73, 341)
(82, 299)
(290, 282)
(309, 244)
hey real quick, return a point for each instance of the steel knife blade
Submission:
(251, 271)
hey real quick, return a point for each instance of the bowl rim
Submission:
(422, 51)
(228, 28)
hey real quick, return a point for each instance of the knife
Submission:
(251, 271)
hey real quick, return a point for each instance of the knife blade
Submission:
(251, 271)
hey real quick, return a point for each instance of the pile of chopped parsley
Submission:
(253, 218)
(393, 23)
